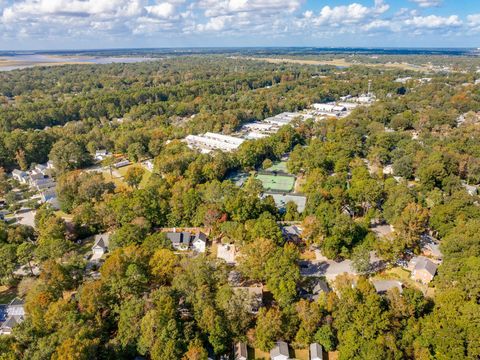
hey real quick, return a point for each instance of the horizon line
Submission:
(248, 47)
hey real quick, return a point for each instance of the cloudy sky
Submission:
(83, 24)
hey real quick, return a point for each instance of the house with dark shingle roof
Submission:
(100, 246)
(180, 240)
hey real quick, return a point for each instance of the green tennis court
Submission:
(277, 182)
(279, 166)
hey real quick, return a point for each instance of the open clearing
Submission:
(337, 63)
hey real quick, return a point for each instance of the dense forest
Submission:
(149, 301)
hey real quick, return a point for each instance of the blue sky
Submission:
(83, 24)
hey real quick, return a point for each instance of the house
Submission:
(316, 352)
(280, 351)
(382, 286)
(48, 194)
(292, 233)
(42, 183)
(11, 315)
(240, 351)
(255, 296)
(100, 246)
(20, 176)
(423, 269)
(327, 107)
(148, 165)
(199, 242)
(41, 168)
(50, 165)
(321, 287)
(430, 248)
(180, 240)
(122, 164)
(227, 252)
(100, 154)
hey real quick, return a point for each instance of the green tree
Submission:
(282, 274)
(134, 176)
(268, 329)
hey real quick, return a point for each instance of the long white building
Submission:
(213, 141)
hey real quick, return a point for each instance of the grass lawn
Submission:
(403, 275)
(86, 246)
(277, 182)
(64, 215)
(118, 174)
(7, 294)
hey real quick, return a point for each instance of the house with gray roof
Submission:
(292, 232)
(100, 246)
(11, 315)
(20, 176)
(180, 240)
(199, 242)
(280, 351)
(423, 269)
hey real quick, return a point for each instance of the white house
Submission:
(100, 154)
(280, 351)
(199, 242)
(20, 176)
(11, 315)
(100, 247)
(316, 352)
(50, 165)
(240, 351)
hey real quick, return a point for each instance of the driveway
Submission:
(328, 268)
(26, 218)
(322, 266)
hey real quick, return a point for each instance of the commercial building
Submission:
(213, 141)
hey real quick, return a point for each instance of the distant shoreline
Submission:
(18, 62)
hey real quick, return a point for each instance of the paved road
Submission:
(322, 266)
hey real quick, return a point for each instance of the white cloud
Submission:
(259, 17)
(473, 22)
(228, 7)
(74, 8)
(162, 10)
(434, 22)
(427, 3)
(253, 19)
(214, 24)
(345, 15)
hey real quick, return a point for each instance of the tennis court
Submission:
(277, 182)
(279, 166)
